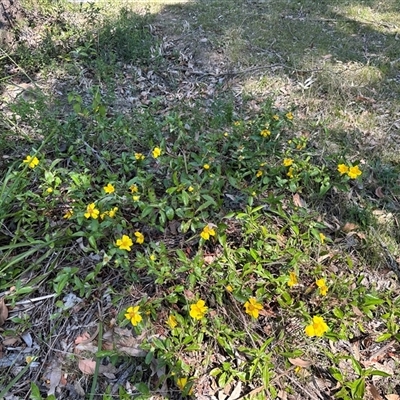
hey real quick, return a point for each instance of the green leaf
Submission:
(35, 392)
(376, 372)
(358, 388)
(336, 374)
(338, 313)
(254, 254)
(370, 299)
(169, 211)
(383, 337)
(209, 199)
(185, 198)
(92, 242)
(149, 358)
(357, 366)
(215, 372)
(205, 205)
(143, 388)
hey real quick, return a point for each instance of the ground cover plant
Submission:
(187, 213)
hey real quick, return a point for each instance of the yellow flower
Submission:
(190, 189)
(229, 288)
(31, 161)
(322, 237)
(124, 243)
(323, 289)
(136, 198)
(133, 189)
(287, 162)
(252, 307)
(133, 315)
(140, 156)
(49, 190)
(354, 172)
(206, 166)
(92, 211)
(156, 152)
(292, 279)
(275, 117)
(109, 188)
(68, 214)
(181, 383)
(152, 257)
(317, 328)
(290, 173)
(265, 133)
(226, 134)
(259, 173)
(207, 232)
(198, 310)
(139, 237)
(343, 169)
(112, 212)
(236, 123)
(289, 116)
(172, 322)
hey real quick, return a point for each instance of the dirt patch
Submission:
(11, 13)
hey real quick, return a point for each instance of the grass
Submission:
(184, 227)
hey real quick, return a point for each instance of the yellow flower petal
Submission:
(252, 307)
(109, 188)
(133, 315)
(198, 310)
(124, 243)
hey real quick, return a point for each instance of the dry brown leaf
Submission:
(84, 337)
(298, 201)
(282, 394)
(349, 227)
(131, 351)
(189, 294)
(236, 392)
(87, 366)
(365, 99)
(374, 391)
(209, 259)
(3, 312)
(298, 362)
(357, 311)
(10, 341)
(379, 193)
(90, 347)
(54, 377)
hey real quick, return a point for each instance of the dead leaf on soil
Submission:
(392, 397)
(189, 294)
(87, 366)
(3, 312)
(298, 201)
(11, 341)
(236, 392)
(379, 193)
(298, 362)
(374, 391)
(54, 378)
(209, 259)
(349, 227)
(83, 338)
